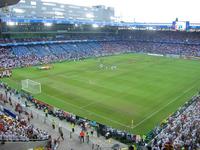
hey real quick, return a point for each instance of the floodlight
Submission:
(18, 10)
(48, 24)
(112, 18)
(89, 15)
(95, 25)
(10, 23)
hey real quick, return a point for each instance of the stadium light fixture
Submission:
(10, 23)
(89, 15)
(112, 18)
(57, 13)
(48, 24)
(60, 17)
(150, 28)
(95, 25)
(133, 28)
(18, 10)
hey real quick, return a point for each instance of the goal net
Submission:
(31, 86)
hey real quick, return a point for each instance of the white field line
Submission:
(155, 112)
(89, 104)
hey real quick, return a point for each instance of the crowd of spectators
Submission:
(20, 56)
(17, 127)
(159, 42)
(19, 130)
(182, 129)
(6, 58)
(162, 36)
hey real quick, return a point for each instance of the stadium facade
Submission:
(36, 18)
(48, 10)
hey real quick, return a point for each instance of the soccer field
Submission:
(145, 89)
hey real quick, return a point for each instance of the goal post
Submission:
(31, 86)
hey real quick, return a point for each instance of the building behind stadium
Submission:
(49, 10)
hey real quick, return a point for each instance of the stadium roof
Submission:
(4, 3)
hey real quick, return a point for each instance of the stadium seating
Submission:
(21, 51)
(37, 54)
(19, 132)
(14, 130)
(182, 129)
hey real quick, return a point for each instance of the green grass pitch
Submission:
(145, 89)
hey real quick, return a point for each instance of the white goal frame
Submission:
(28, 86)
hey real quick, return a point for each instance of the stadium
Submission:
(79, 78)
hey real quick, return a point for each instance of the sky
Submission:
(164, 11)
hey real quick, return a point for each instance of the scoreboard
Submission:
(181, 25)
